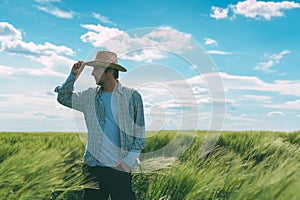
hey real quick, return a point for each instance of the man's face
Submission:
(99, 75)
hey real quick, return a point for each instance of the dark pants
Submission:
(111, 182)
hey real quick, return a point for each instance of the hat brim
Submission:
(97, 63)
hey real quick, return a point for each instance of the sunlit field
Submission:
(243, 165)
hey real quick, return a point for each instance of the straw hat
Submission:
(106, 59)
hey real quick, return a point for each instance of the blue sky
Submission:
(254, 45)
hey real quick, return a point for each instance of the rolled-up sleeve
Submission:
(138, 131)
(139, 122)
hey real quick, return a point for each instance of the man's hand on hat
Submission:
(77, 68)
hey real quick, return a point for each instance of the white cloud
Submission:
(273, 59)
(6, 71)
(275, 113)
(39, 72)
(32, 49)
(255, 9)
(282, 74)
(47, 54)
(56, 11)
(144, 55)
(140, 46)
(260, 9)
(193, 67)
(33, 105)
(219, 13)
(294, 103)
(103, 19)
(242, 118)
(167, 38)
(252, 83)
(47, 6)
(98, 34)
(9, 71)
(243, 115)
(217, 52)
(265, 66)
(257, 98)
(278, 57)
(168, 102)
(45, 115)
(209, 41)
(171, 104)
(10, 100)
(8, 32)
(13, 43)
(291, 105)
(199, 90)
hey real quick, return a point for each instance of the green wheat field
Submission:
(242, 165)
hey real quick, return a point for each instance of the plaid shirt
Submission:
(130, 118)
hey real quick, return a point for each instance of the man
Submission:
(114, 118)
